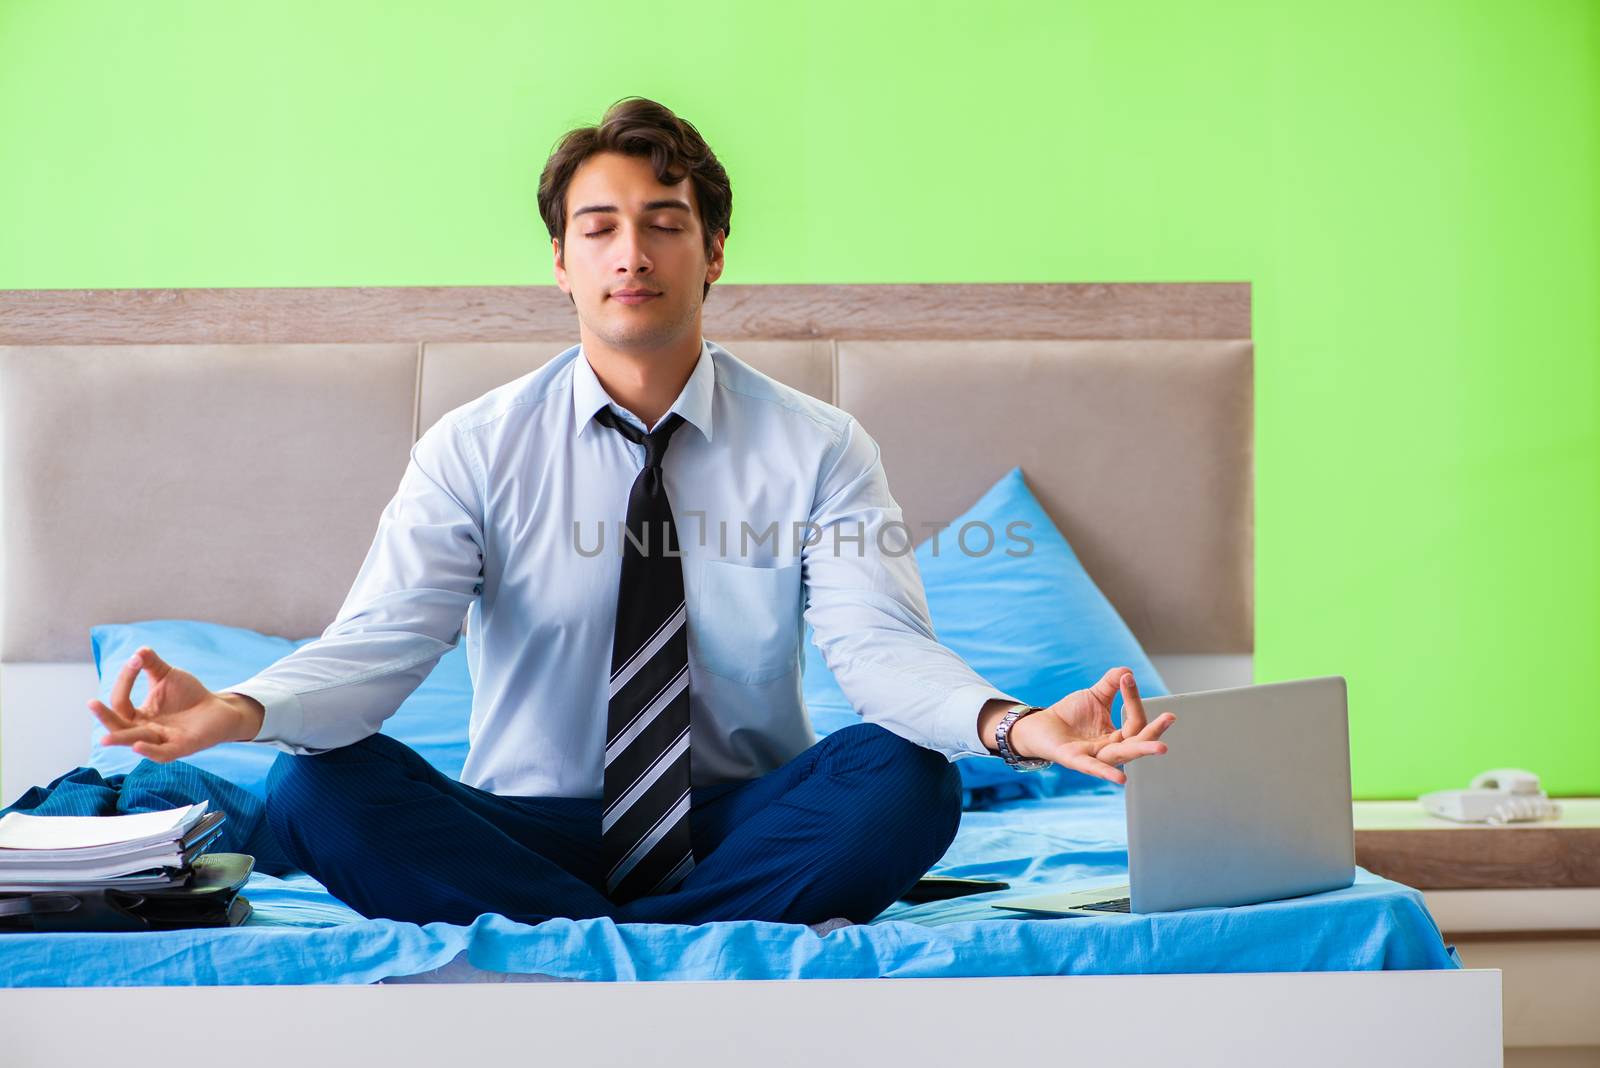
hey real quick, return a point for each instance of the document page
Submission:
(20, 830)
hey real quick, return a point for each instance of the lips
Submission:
(634, 298)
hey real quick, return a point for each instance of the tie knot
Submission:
(655, 442)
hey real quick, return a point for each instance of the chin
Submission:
(637, 337)
(624, 326)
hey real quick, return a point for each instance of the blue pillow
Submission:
(1034, 625)
(433, 720)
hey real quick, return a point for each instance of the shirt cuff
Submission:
(284, 720)
(958, 720)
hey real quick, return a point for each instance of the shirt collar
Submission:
(693, 402)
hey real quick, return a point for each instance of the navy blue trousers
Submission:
(843, 829)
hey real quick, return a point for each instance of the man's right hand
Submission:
(179, 717)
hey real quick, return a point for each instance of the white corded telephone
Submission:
(1505, 795)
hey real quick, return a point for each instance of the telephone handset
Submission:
(1505, 795)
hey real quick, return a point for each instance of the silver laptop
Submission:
(1250, 803)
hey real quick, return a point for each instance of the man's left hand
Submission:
(1076, 731)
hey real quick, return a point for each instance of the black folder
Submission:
(208, 898)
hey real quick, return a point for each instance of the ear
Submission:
(561, 271)
(714, 265)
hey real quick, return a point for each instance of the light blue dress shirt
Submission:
(507, 524)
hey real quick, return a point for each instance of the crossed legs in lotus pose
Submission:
(843, 829)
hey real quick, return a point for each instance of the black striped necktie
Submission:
(644, 826)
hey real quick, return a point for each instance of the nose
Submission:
(631, 256)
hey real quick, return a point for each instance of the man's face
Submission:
(627, 231)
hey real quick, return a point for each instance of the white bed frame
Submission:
(463, 1014)
(1310, 1020)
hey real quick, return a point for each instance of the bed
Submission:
(279, 421)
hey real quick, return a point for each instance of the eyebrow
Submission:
(652, 206)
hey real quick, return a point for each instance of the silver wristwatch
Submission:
(1002, 731)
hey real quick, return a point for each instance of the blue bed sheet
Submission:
(301, 934)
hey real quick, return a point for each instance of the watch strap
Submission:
(1002, 738)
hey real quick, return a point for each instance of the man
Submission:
(585, 791)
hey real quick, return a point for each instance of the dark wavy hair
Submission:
(635, 126)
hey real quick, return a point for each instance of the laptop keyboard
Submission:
(1119, 904)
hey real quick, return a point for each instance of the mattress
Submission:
(298, 933)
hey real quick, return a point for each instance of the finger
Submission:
(161, 754)
(124, 686)
(1133, 717)
(109, 719)
(1156, 727)
(1090, 766)
(1105, 691)
(146, 732)
(1124, 752)
(153, 663)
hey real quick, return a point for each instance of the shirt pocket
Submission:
(746, 620)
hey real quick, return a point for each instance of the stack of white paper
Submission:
(146, 849)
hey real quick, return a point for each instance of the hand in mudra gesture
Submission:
(179, 716)
(1076, 731)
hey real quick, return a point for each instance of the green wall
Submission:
(1410, 187)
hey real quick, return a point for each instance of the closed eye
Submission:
(668, 229)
